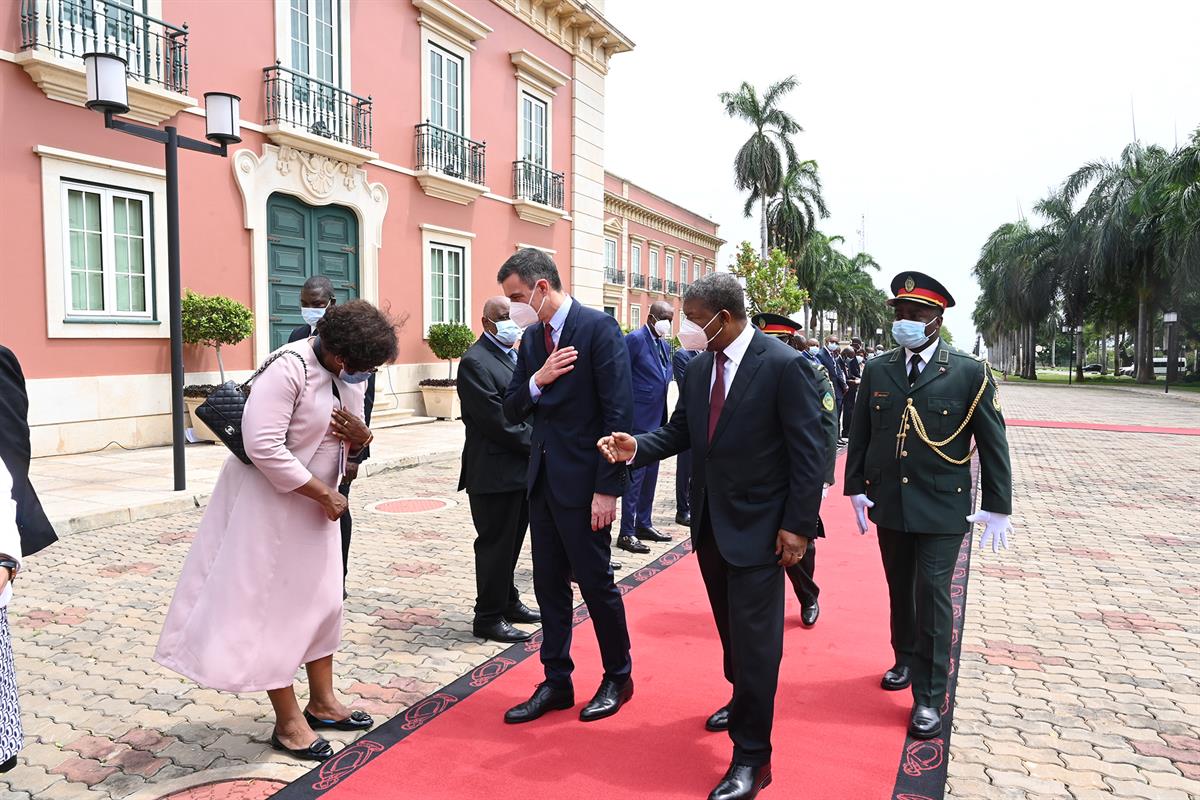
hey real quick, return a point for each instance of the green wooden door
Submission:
(303, 241)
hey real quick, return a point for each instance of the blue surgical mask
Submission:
(909, 333)
(312, 315)
(814, 349)
(507, 332)
(354, 377)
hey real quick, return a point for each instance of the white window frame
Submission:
(526, 89)
(59, 166)
(684, 274)
(654, 263)
(697, 269)
(283, 39)
(635, 316)
(610, 247)
(108, 261)
(635, 259)
(436, 235)
(429, 40)
(670, 267)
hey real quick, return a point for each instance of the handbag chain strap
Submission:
(270, 360)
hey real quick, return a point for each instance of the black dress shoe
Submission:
(632, 544)
(925, 723)
(320, 750)
(896, 678)
(357, 721)
(522, 614)
(545, 698)
(719, 721)
(809, 614)
(742, 782)
(499, 631)
(683, 519)
(608, 700)
(652, 535)
(615, 565)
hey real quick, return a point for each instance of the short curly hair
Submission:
(362, 335)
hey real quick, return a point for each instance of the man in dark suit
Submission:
(572, 378)
(853, 372)
(494, 459)
(650, 370)
(751, 407)
(35, 529)
(829, 356)
(683, 461)
(316, 295)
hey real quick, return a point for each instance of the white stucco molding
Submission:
(451, 21)
(317, 180)
(538, 72)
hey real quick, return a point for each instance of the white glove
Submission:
(825, 490)
(861, 503)
(996, 529)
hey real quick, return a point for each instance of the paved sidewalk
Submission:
(95, 490)
(1080, 673)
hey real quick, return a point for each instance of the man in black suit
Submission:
(750, 412)
(494, 459)
(35, 529)
(316, 295)
(572, 378)
(683, 461)
(830, 358)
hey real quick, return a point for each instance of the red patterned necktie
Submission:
(547, 330)
(716, 398)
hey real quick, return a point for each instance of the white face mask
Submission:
(693, 337)
(524, 314)
(662, 327)
(832, 346)
(312, 316)
(507, 331)
(814, 349)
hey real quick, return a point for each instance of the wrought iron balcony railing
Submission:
(534, 182)
(672, 287)
(156, 50)
(656, 284)
(450, 154)
(616, 276)
(317, 107)
(639, 280)
(683, 287)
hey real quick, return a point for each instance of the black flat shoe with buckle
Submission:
(320, 750)
(357, 721)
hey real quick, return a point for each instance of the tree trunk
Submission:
(220, 364)
(1080, 355)
(1103, 352)
(1143, 348)
(763, 201)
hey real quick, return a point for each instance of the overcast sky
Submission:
(938, 121)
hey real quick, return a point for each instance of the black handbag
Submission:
(222, 411)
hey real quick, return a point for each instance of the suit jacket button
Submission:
(904, 480)
(903, 453)
(959, 490)
(877, 408)
(945, 412)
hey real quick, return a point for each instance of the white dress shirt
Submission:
(10, 538)
(556, 325)
(925, 355)
(735, 351)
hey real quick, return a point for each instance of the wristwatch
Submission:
(11, 566)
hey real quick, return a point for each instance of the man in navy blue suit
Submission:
(683, 461)
(650, 370)
(572, 380)
(828, 356)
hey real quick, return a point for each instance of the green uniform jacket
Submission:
(829, 420)
(919, 491)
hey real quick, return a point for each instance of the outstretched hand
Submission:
(996, 529)
(618, 448)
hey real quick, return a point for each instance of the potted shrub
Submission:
(211, 321)
(447, 340)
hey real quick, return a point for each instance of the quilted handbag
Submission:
(222, 411)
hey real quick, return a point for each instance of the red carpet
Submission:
(1099, 426)
(837, 734)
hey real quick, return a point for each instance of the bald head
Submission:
(496, 308)
(661, 311)
(813, 343)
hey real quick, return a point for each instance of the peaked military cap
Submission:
(775, 324)
(920, 288)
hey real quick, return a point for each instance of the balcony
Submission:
(639, 280)
(449, 166)
(537, 193)
(55, 35)
(683, 287)
(656, 284)
(614, 276)
(310, 114)
(672, 287)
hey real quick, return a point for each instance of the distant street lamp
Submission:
(879, 334)
(1169, 320)
(1071, 366)
(108, 93)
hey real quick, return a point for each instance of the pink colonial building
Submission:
(653, 249)
(402, 148)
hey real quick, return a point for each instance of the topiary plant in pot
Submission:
(211, 321)
(447, 340)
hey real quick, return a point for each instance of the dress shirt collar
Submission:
(560, 317)
(503, 348)
(735, 351)
(926, 354)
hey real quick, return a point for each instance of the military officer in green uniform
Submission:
(803, 574)
(923, 409)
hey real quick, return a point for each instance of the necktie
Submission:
(548, 330)
(914, 370)
(512, 355)
(662, 356)
(716, 398)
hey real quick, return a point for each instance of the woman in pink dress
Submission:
(261, 589)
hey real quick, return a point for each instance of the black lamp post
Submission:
(108, 92)
(1169, 320)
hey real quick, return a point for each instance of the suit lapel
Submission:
(568, 331)
(751, 361)
(938, 366)
(497, 354)
(897, 369)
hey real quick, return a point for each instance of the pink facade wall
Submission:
(229, 54)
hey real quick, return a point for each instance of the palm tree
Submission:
(792, 214)
(1066, 241)
(759, 166)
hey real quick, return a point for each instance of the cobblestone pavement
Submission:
(1080, 673)
(102, 720)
